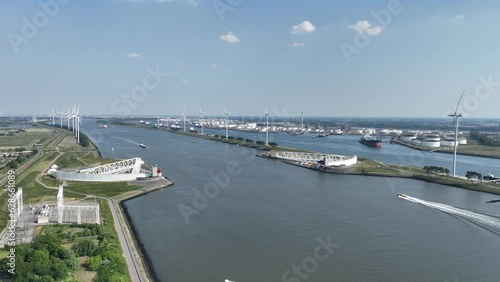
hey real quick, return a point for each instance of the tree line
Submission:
(484, 139)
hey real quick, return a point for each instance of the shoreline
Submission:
(394, 139)
(447, 181)
(419, 177)
(146, 264)
(440, 150)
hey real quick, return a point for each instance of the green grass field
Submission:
(100, 188)
(25, 139)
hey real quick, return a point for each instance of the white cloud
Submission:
(366, 28)
(303, 27)
(458, 17)
(186, 81)
(214, 65)
(230, 37)
(134, 55)
(297, 44)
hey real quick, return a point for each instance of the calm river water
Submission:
(266, 219)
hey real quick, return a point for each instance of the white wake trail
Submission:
(482, 220)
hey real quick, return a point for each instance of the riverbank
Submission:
(465, 150)
(38, 187)
(146, 186)
(146, 264)
(368, 167)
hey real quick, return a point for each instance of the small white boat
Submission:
(143, 146)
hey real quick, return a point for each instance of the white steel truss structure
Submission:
(132, 166)
(18, 203)
(76, 213)
(329, 159)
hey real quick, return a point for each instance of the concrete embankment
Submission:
(140, 253)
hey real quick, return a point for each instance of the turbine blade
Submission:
(459, 102)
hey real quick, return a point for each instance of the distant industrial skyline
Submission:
(326, 58)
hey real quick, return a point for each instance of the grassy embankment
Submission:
(373, 168)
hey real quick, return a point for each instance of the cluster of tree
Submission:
(89, 230)
(473, 175)
(484, 139)
(13, 164)
(106, 259)
(43, 260)
(436, 169)
(12, 133)
(84, 140)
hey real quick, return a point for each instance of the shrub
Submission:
(84, 248)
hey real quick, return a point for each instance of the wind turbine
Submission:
(73, 119)
(184, 119)
(68, 116)
(227, 122)
(302, 120)
(455, 117)
(52, 114)
(78, 121)
(201, 114)
(267, 128)
(61, 114)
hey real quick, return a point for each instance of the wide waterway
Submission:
(271, 216)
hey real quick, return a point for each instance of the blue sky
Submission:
(284, 56)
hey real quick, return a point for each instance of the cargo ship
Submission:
(371, 141)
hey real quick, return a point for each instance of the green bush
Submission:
(260, 142)
(249, 140)
(84, 248)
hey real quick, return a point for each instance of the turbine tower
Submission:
(302, 120)
(227, 122)
(78, 121)
(184, 119)
(52, 114)
(267, 128)
(68, 116)
(455, 117)
(201, 114)
(61, 114)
